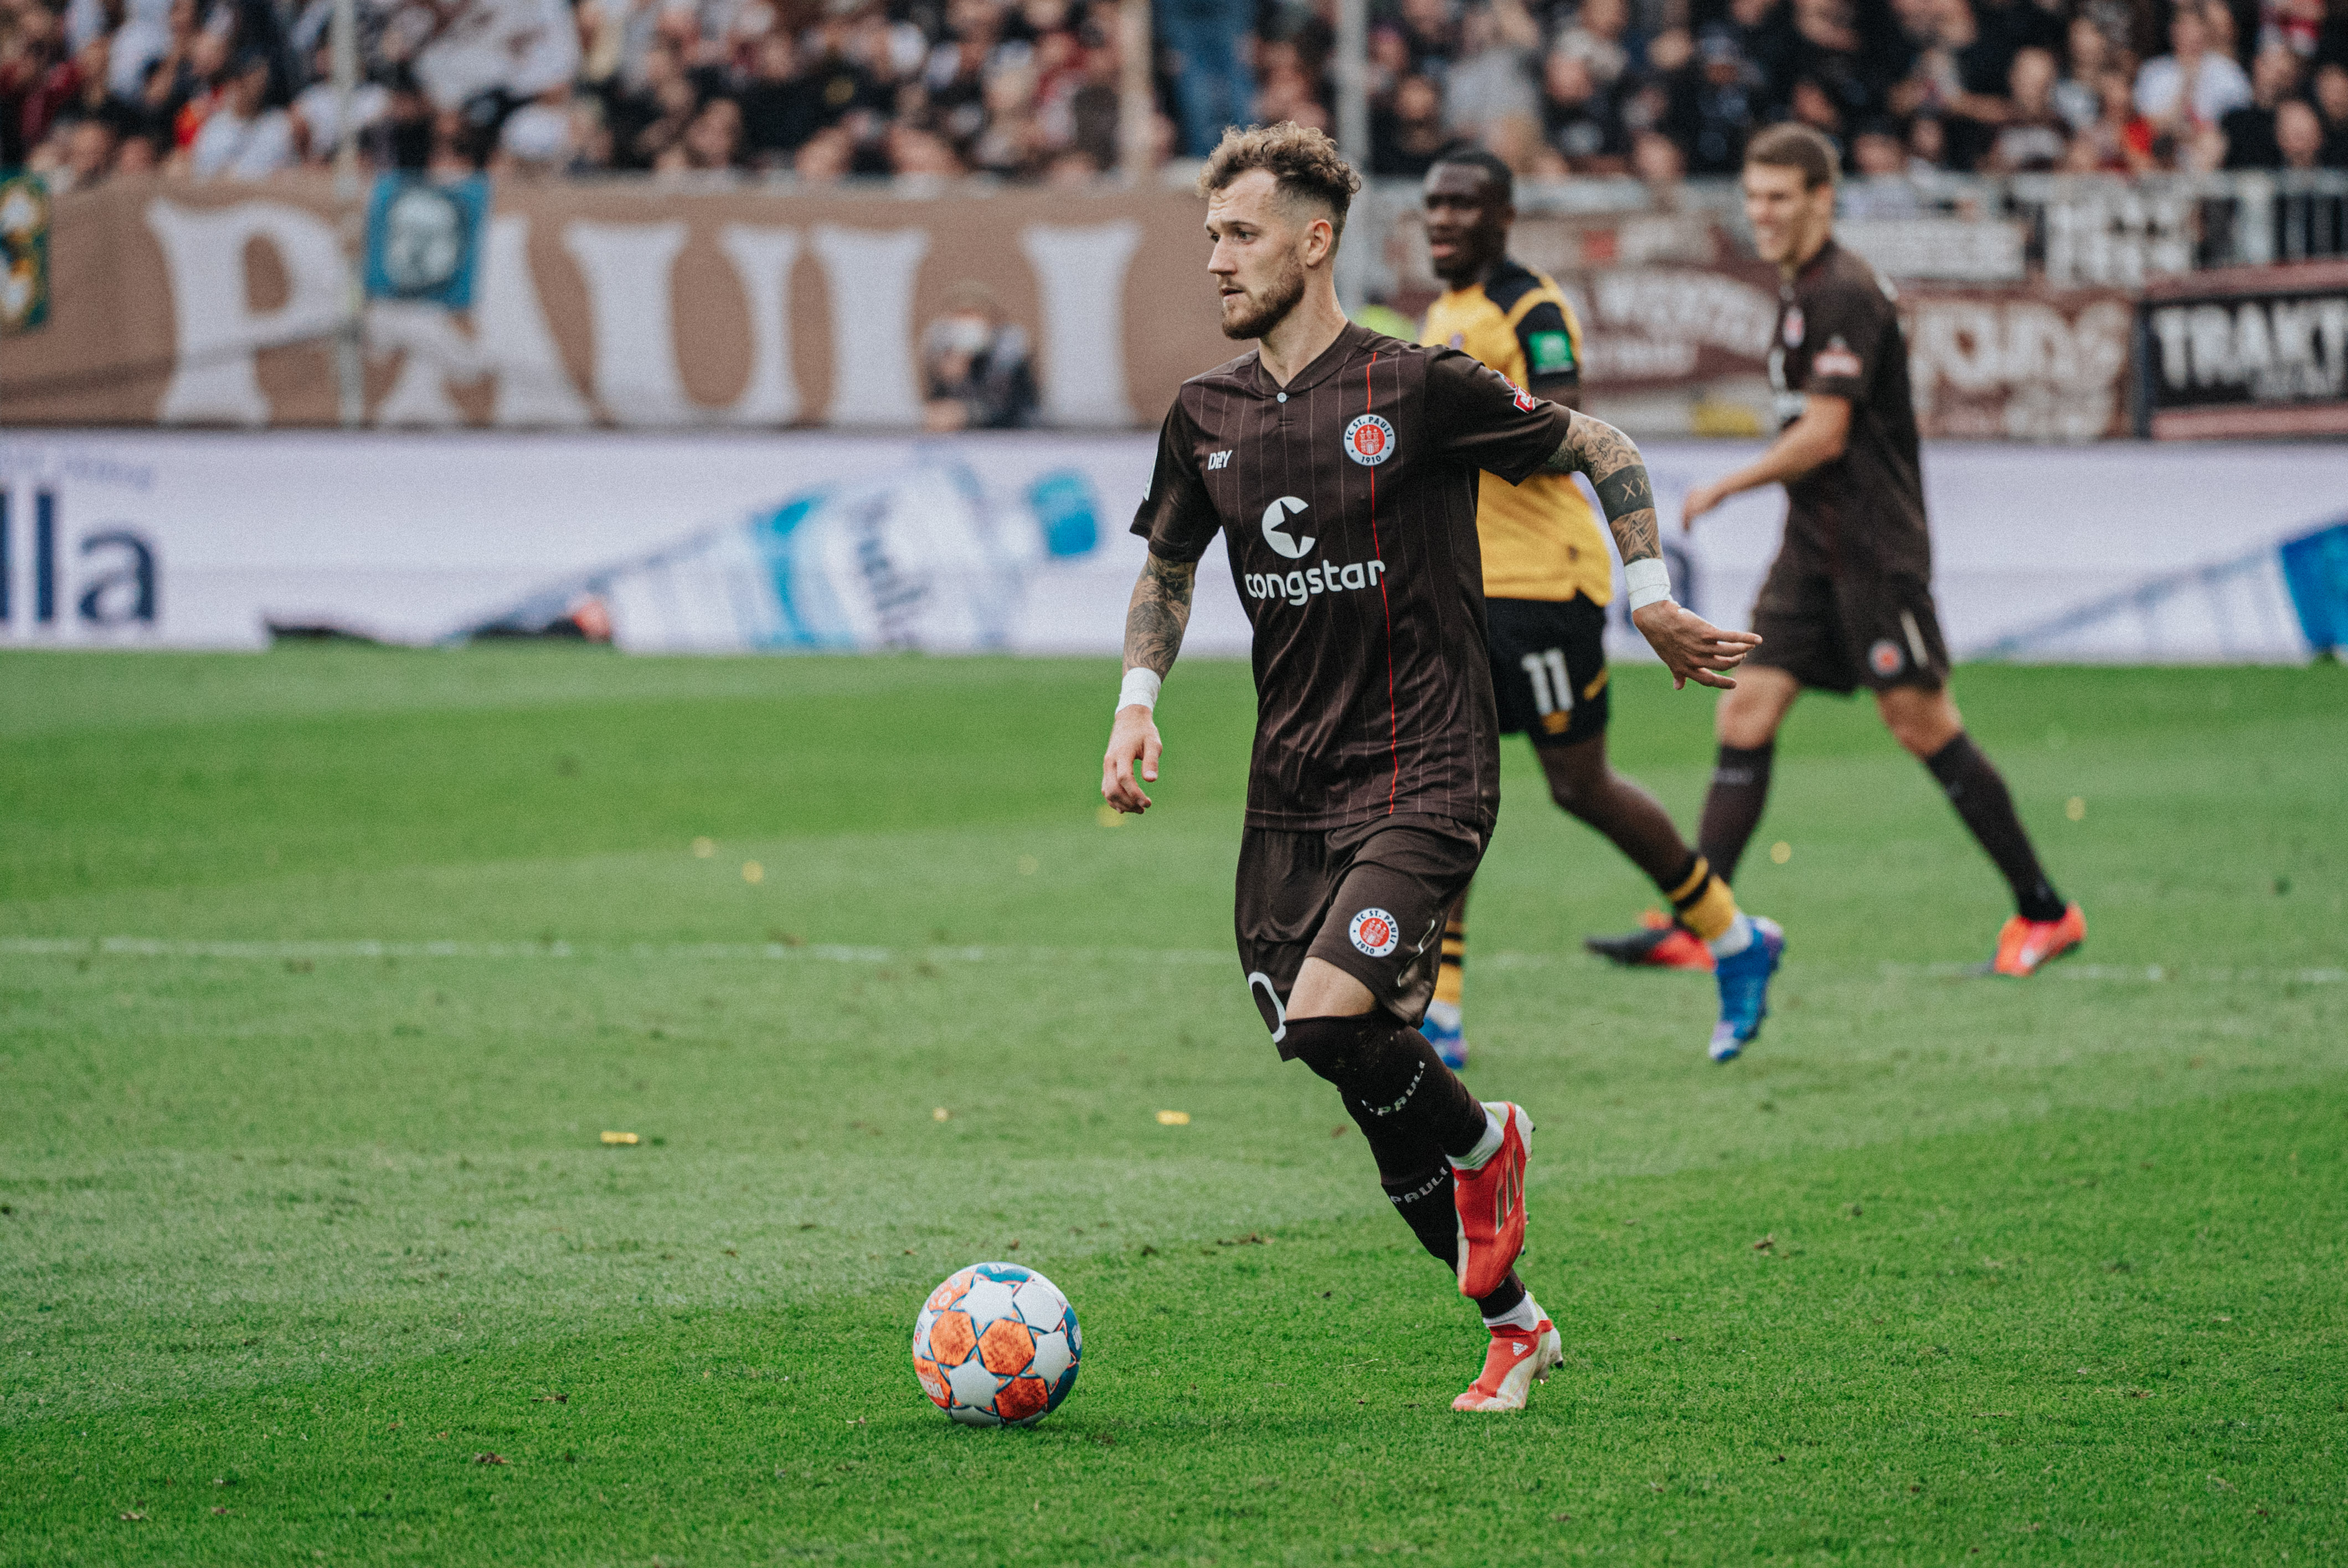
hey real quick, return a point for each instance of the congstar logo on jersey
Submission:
(1298, 587)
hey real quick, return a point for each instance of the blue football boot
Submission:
(1744, 989)
(1442, 1030)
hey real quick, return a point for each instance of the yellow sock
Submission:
(1704, 902)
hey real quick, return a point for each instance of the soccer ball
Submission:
(996, 1345)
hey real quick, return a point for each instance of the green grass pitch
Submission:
(323, 972)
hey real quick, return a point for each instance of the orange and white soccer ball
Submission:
(998, 1344)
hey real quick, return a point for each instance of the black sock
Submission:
(1974, 787)
(1731, 810)
(1423, 1199)
(1392, 1082)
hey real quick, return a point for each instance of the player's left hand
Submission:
(1691, 646)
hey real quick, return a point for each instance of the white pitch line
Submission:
(837, 953)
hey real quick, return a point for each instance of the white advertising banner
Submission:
(1017, 542)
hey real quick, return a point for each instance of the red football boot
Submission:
(1660, 943)
(1515, 1360)
(1492, 1202)
(2024, 944)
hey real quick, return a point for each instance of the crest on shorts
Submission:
(1375, 932)
(1369, 440)
(1793, 326)
(1885, 658)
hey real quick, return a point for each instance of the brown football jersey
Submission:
(1347, 502)
(1839, 333)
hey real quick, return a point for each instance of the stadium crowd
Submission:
(1029, 90)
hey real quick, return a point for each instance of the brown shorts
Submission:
(1370, 898)
(1839, 630)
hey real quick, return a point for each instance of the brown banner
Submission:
(182, 304)
(629, 306)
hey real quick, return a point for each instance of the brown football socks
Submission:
(1731, 810)
(1978, 792)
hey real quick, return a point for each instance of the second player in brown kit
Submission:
(1341, 467)
(1849, 600)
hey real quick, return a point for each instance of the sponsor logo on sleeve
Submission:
(1549, 353)
(1885, 658)
(1369, 440)
(1523, 399)
(1836, 359)
(1374, 931)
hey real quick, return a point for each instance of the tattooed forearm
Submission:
(1159, 611)
(1595, 447)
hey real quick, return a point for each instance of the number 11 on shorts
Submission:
(1553, 691)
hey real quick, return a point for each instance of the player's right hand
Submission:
(1690, 646)
(1133, 738)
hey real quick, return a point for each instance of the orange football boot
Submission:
(1660, 943)
(2024, 944)
(1517, 1359)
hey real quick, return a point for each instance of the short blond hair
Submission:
(1302, 162)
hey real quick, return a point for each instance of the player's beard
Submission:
(1259, 313)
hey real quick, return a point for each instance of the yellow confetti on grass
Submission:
(941, 1114)
(1780, 853)
(1109, 816)
(623, 1139)
(1173, 1118)
(705, 847)
(753, 873)
(2075, 809)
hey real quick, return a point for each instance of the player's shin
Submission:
(1389, 1073)
(1732, 809)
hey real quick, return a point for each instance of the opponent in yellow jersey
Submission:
(1541, 538)
(1548, 576)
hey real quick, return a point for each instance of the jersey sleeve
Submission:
(1551, 349)
(1846, 335)
(1479, 417)
(1176, 516)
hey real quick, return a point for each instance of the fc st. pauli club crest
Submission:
(1369, 440)
(1375, 932)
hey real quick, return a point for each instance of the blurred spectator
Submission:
(241, 140)
(2034, 139)
(975, 367)
(2121, 139)
(1407, 133)
(2332, 108)
(1212, 85)
(1031, 91)
(316, 133)
(2194, 84)
(1715, 101)
(1882, 190)
(2298, 137)
(2249, 131)
(1491, 80)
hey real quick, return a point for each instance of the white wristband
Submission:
(1648, 580)
(1141, 688)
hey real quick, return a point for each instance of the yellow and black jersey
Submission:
(1541, 539)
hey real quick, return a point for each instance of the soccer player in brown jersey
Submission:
(1340, 467)
(1547, 582)
(1849, 600)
